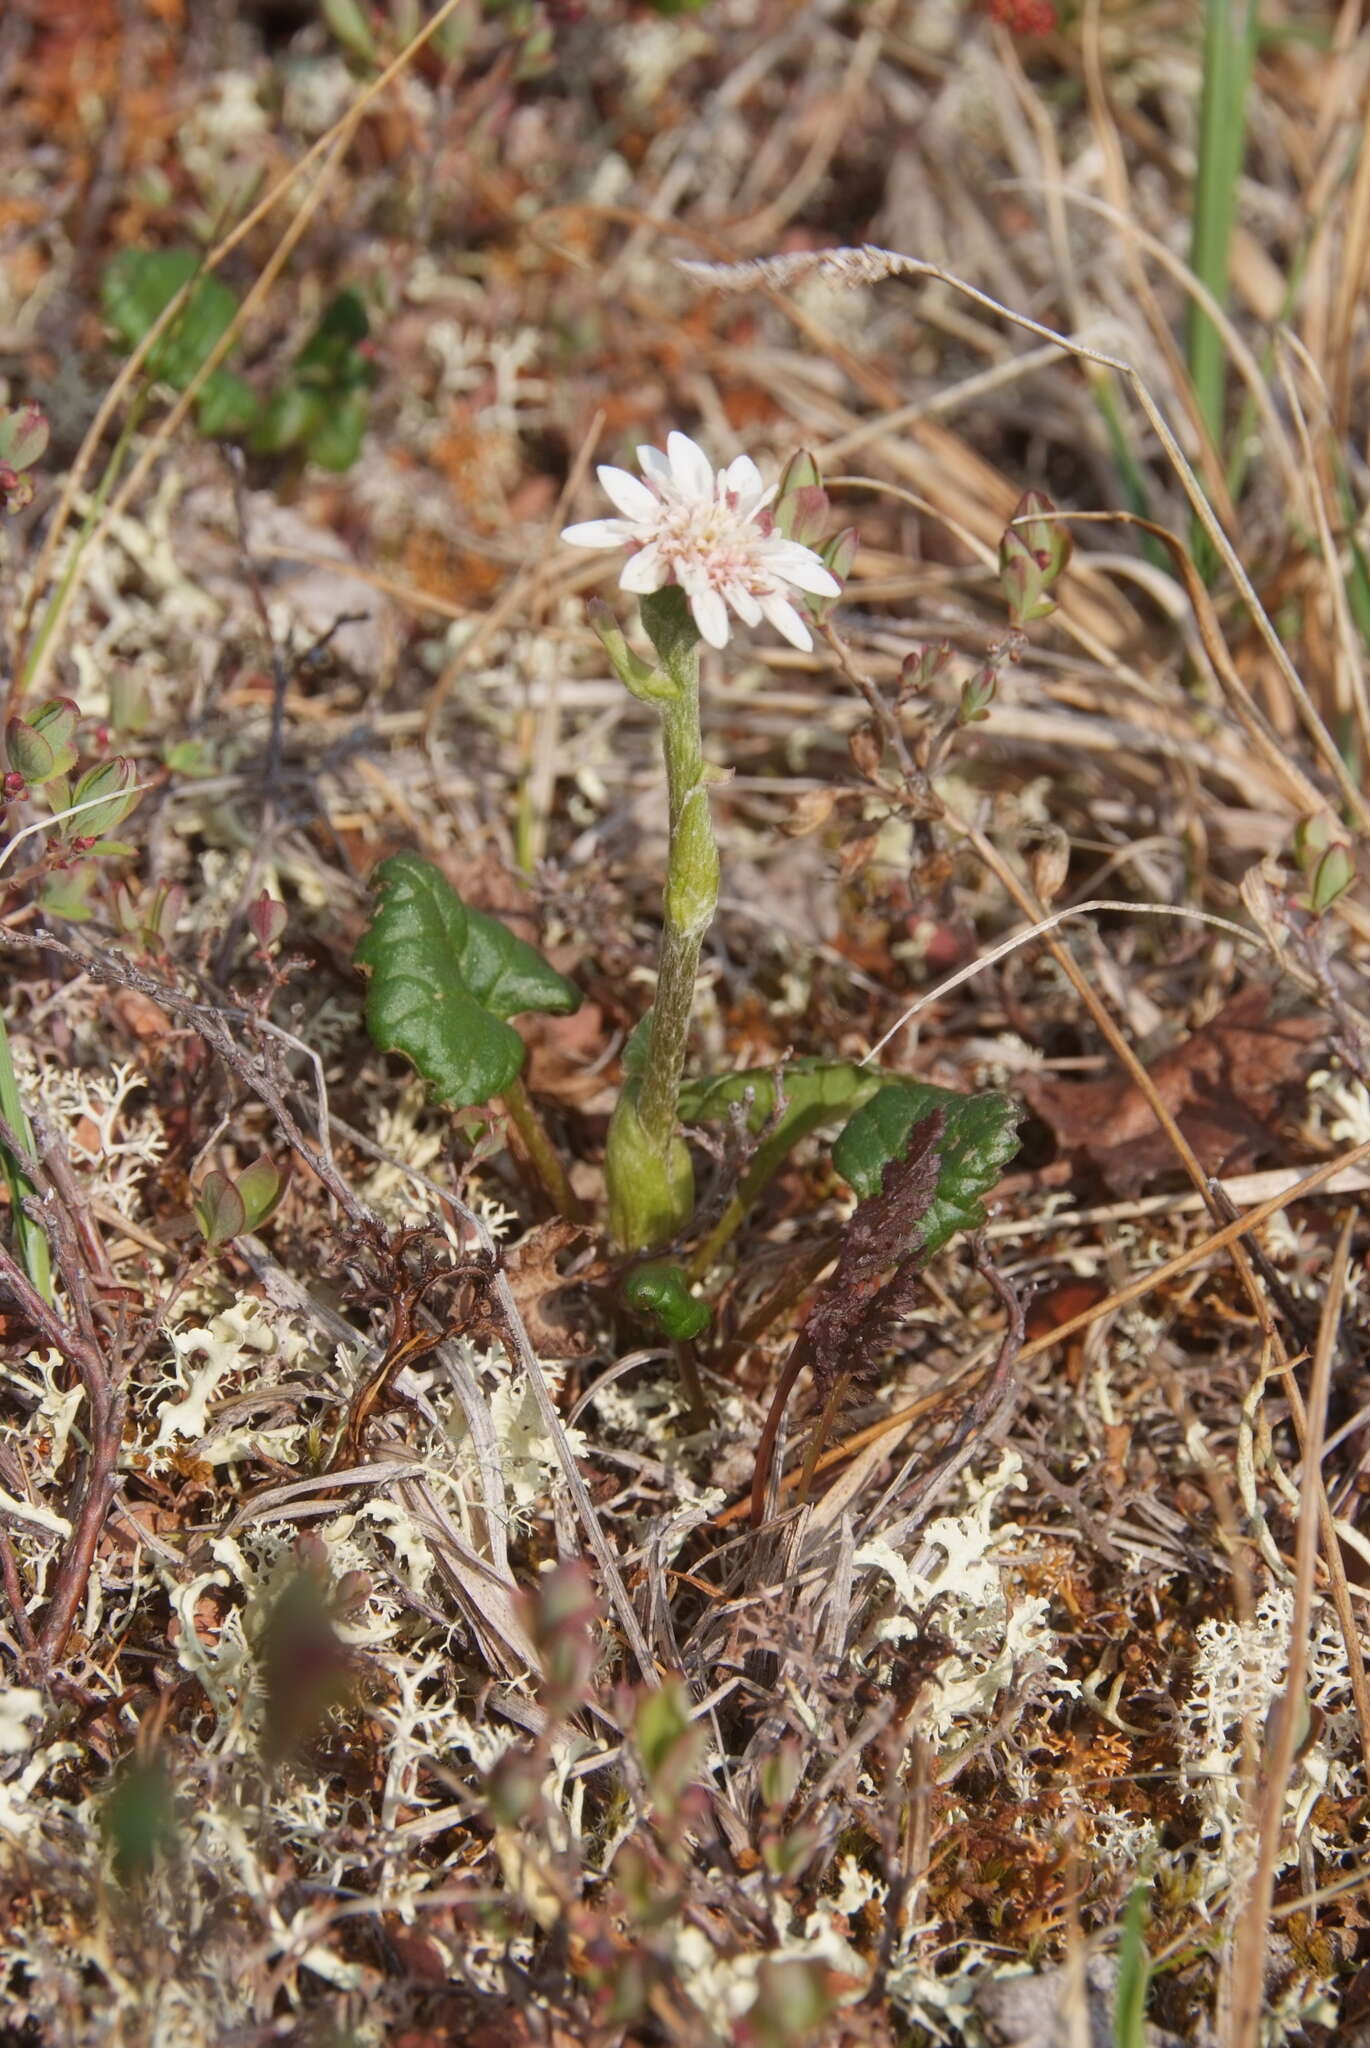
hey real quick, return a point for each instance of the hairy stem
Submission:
(651, 1185)
(691, 894)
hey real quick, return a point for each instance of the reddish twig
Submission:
(94, 1488)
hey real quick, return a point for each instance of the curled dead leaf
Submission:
(1222, 1084)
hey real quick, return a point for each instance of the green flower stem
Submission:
(690, 901)
(546, 1160)
(647, 1167)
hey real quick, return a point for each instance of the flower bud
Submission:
(923, 671)
(801, 503)
(1033, 552)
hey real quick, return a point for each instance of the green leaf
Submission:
(226, 407)
(140, 284)
(332, 354)
(66, 892)
(189, 757)
(105, 791)
(260, 1187)
(669, 1744)
(291, 415)
(660, 1293)
(30, 754)
(832, 1088)
(138, 1819)
(443, 977)
(979, 1137)
(336, 442)
(220, 1210)
(41, 747)
(651, 1194)
(349, 23)
(23, 434)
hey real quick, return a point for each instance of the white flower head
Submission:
(711, 532)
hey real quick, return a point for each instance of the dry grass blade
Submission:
(1283, 1731)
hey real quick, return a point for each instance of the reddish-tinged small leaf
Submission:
(267, 919)
(219, 1210)
(30, 754)
(23, 435)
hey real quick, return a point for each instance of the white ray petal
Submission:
(629, 493)
(806, 572)
(597, 533)
(645, 571)
(711, 615)
(691, 468)
(786, 620)
(743, 477)
(743, 603)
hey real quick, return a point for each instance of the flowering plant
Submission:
(711, 532)
(705, 547)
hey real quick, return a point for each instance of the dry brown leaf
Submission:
(1222, 1085)
(555, 1325)
(563, 1053)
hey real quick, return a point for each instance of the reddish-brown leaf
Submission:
(1223, 1084)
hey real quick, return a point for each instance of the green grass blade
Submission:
(1134, 1973)
(1230, 31)
(30, 1245)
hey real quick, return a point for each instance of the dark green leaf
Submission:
(138, 1819)
(331, 354)
(815, 1090)
(979, 1137)
(443, 977)
(660, 1293)
(336, 442)
(291, 415)
(140, 284)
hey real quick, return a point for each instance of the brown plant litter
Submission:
(389, 1653)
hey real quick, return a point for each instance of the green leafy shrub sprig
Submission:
(318, 409)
